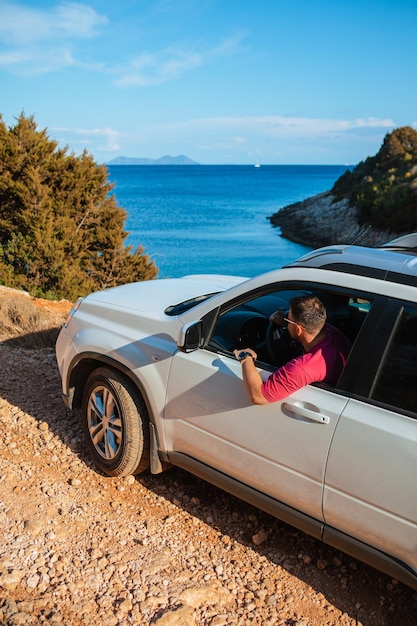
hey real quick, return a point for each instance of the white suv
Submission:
(151, 367)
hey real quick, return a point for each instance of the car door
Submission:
(279, 449)
(370, 486)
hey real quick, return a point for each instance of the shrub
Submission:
(384, 188)
(61, 231)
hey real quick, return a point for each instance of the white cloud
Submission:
(37, 41)
(158, 68)
(269, 139)
(77, 20)
(36, 61)
(229, 46)
(21, 25)
(239, 129)
(89, 136)
(171, 63)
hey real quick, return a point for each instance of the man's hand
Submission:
(251, 377)
(249, 350)
(278, 318)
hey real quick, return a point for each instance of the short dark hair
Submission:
(309, 312)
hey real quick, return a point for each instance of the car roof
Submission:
(394, 261)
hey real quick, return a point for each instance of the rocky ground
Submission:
(79, 548)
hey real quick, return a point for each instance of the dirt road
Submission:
(81, 549)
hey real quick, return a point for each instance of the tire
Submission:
(115, 423)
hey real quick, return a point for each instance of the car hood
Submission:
(157, 295)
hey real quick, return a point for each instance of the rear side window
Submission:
(397, 381)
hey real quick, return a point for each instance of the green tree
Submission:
(384, 187)
(61, 231)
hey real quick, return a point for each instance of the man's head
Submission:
(308, 312)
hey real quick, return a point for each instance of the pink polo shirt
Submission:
(324, 363)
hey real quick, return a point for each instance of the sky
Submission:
(220, 81)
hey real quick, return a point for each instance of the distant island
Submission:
(165, 160)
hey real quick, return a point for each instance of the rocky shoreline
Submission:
(323, 220)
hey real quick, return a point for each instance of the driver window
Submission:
(247, 324)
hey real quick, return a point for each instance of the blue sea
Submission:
(200, 219)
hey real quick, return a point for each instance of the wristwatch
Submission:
(243, 355)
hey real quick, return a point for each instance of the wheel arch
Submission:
(84, 364)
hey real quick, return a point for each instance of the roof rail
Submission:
(405, 242)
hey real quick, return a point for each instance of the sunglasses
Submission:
(291, 322)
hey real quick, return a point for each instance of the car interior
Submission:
(247, 324)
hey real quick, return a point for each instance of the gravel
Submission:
(79, 548)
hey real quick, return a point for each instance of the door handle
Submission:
(299, 411)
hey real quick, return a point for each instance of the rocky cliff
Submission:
(322, 220)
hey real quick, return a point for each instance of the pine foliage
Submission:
(383, 188)
(61, 231)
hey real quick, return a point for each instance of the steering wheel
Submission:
(280, 346)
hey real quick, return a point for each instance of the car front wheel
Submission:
(115, 423)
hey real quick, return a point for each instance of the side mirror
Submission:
(190, 337)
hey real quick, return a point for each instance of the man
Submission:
(325, 352)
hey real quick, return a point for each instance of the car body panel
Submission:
(370, 487)
(153, 296)
(272, 448)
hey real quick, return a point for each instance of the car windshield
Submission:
(181, 307)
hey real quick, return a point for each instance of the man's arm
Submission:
(251, 378)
